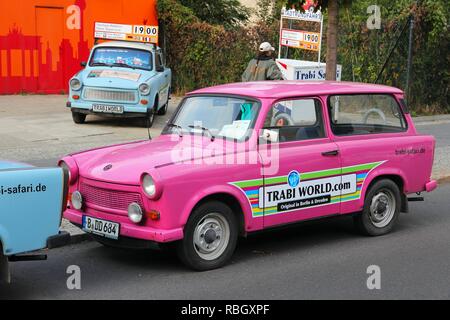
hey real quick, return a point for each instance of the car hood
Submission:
(123, 78)
(124, 164)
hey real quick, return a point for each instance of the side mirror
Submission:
(159, 68)
(269, 135)
(83, 64)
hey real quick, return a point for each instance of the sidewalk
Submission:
(441, 166)
(441, 118)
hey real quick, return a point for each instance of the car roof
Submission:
(127, 44)
(283, 89)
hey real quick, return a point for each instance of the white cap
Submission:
(265, 46)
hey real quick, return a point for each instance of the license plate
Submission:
(101, 227)
(107, 108)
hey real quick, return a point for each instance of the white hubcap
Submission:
(382, 208)
(211, 236)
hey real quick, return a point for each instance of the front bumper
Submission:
(430, 186)
(130, 230)
(59, 240)
(129, 111)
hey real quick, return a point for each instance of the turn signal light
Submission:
(68, 197)
(153, 215)
(144, 102)
(76, 97)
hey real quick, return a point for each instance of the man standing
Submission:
(263, 67)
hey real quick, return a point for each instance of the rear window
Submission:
(365, 114)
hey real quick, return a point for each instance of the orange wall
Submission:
(42, 42)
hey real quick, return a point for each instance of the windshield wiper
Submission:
(203, 129)
(95, 64)
(120, 64)
(180, 129)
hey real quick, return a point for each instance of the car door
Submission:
(163, 78)
(369, 130)
(307, 181)
(31, 204)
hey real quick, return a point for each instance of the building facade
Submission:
(43, 42)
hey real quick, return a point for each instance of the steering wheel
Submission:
(282, 116)
(375, 111)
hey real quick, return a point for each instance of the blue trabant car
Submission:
(121, 79)
(31, 204)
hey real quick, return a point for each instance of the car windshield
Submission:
(122, 57)
(223, 117)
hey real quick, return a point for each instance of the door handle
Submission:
(330, 153)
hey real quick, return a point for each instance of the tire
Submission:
(5, 275)
(210, 237)
(164, 108)
(381, 209)
(78, 118)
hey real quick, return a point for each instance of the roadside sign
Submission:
(300, 39)
(309, 15)
(305, 70)
(126, 32)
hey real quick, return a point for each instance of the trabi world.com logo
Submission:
(293, 178)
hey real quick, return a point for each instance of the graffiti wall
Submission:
(43, 42)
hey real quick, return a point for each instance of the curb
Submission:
(443, 180)
(77, 238)
(424, 119)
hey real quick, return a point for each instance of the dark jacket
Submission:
(262, 68)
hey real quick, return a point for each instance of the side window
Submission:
(295, 120)
(365, 114)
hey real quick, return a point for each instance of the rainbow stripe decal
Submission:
(282, 194)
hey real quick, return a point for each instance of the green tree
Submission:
(228, 13)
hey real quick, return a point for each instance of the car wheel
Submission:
(5, 276)
(164, 108)
(381, 209)
(210, 237)
(78, 118)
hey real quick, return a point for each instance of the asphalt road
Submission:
(440, 130)
(324, 259)
(316, 260)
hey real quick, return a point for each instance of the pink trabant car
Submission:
(244, 157)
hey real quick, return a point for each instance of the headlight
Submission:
(75, 84)
(144, 89)
(148, 184)
(67, 169)
(72, 169)
(135, 212)
(77, 200)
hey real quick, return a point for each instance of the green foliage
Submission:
(228, 13)
(319, 4)
(362, 52)
(203, 52)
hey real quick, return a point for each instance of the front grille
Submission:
(113, 199)
(109, 95)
